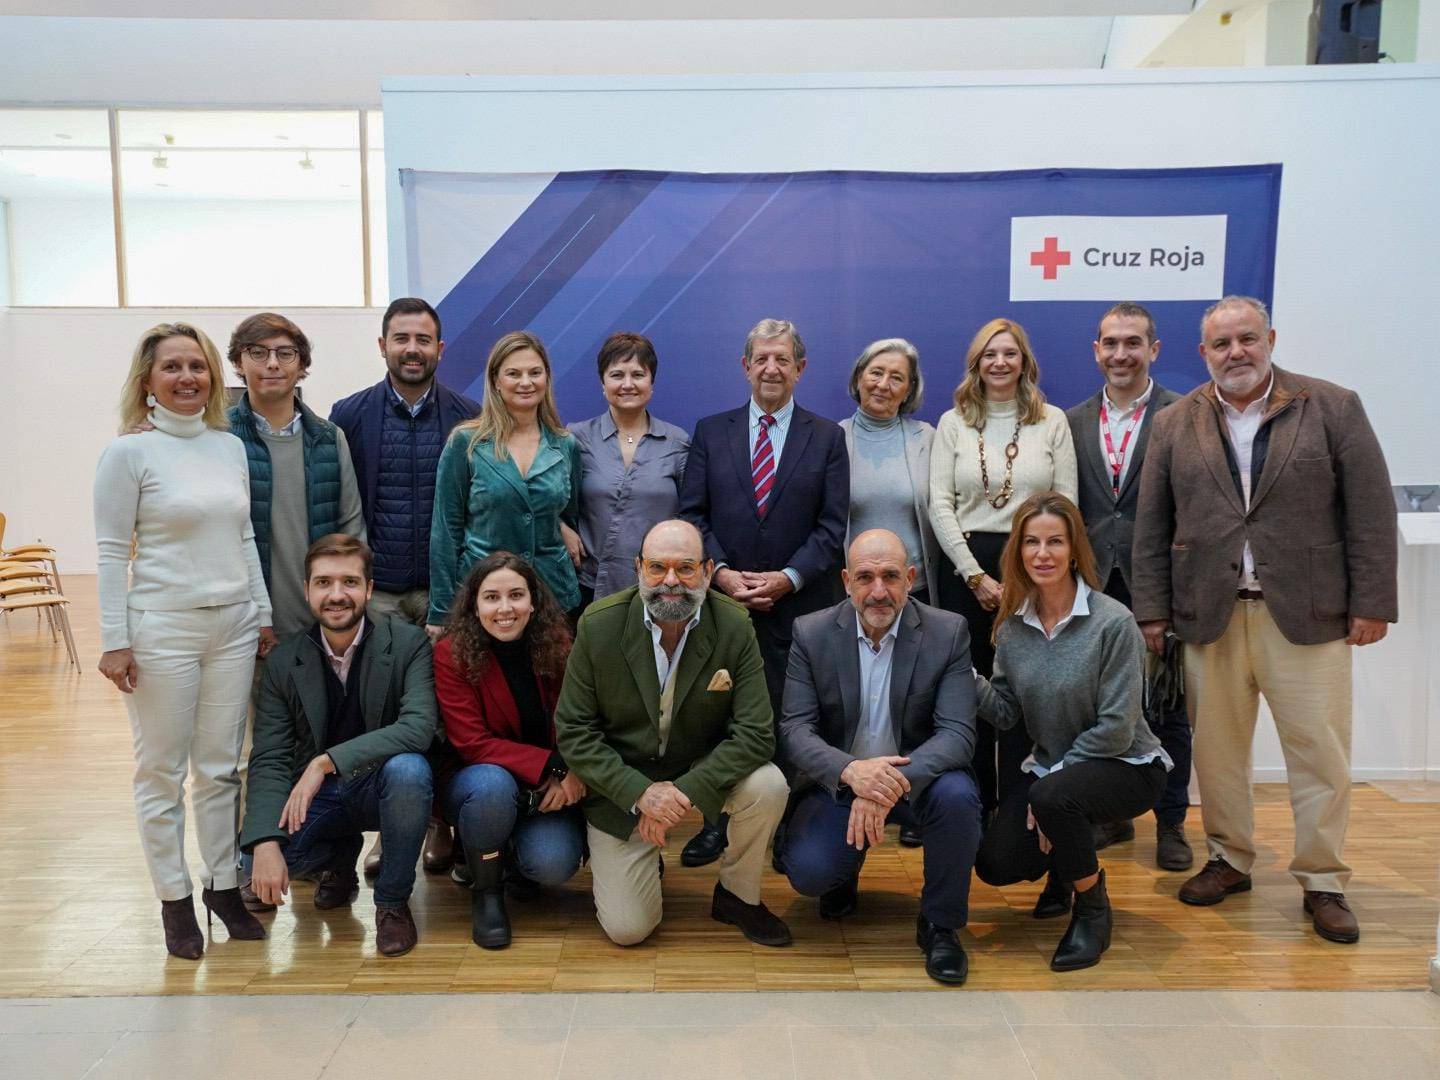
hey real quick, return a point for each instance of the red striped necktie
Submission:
(762, 465)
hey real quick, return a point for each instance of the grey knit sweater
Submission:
(1078, 694)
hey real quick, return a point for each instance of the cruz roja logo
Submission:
(1174, 257)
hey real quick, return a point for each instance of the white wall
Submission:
(1354, 281)
(62, 251)
(61, 370)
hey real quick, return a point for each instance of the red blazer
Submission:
(482, 722)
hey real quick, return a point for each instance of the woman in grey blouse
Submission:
(1069, 665)
(633, 465)
(890, 456)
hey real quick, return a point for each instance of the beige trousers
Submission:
(1308, 690)
(410, 606)
(626, 873)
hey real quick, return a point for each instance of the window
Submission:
(379, 251)
(57, 226)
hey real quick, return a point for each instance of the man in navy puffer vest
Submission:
(396, 430)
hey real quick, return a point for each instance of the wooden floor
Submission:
(77, 915)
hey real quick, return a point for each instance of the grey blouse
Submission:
(619, 505)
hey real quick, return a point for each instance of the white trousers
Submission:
(625, 874)
(187, 714)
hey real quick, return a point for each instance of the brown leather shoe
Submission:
(756, 921)
(438, 854)
(1333, 919)
(336, 890)
(1218, 880)
(395, 932)
(251, 901)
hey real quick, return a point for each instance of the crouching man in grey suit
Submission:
(879, 722)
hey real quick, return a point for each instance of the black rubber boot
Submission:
(489, 921)
(1089, 932)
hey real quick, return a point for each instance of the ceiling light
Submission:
(160, 161)
(283, 138)
(63, 135)
(305, 162)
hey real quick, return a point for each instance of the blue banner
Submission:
(694, 260)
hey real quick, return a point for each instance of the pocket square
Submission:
(721, 681)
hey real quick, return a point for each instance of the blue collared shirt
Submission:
(874, 734)
(415, 409)
(263, 426)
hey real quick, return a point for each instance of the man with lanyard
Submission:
(1111, 430)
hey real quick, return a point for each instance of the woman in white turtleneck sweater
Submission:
(999, 445)
(180, 637)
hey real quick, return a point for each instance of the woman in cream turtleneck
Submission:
(999, 445)
(180, 637)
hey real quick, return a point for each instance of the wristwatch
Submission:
(974, 579)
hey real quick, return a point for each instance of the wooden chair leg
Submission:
(64, 617)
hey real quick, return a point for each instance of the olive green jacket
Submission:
(607, 718)
(397, 701)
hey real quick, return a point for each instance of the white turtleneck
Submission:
(183, 492)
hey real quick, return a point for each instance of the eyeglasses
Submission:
(654, 571)
(285, 354)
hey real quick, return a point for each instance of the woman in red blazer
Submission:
(498, 668)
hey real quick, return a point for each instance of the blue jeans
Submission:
(482, 802)
(395, 798)
(817, 859)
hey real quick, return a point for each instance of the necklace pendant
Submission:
(1000, 502)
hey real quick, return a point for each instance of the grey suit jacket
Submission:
(1110, 522)
(1321, 520)
(919, 437)
(932, 695)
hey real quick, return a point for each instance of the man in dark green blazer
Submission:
(345, 714)
(664, 708)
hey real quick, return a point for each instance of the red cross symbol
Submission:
(1050, 257)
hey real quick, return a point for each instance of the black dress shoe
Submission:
(910, 836)
(1172, 850)
(336, 889)
(1054, 899)
(841, 900)
(707, 845)
(1088, 934)
(945, 959)
(755, 921)
(1113, 832)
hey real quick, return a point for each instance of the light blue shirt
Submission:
(413, 410)
(874, 734)
(263, 426)
(778, 431)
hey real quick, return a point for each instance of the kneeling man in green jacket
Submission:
(345, 714)
(664, 708)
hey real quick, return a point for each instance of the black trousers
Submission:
(1067, 806)
(998, 756)
(1172, 727)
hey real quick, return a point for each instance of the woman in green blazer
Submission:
(509, 480)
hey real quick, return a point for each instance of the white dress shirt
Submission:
(666, 666)
(1243, 425)
(778, 431)
(874, 733)
(1120, 417)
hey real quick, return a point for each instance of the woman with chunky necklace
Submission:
(999, 445)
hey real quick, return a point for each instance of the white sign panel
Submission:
(1117, 258)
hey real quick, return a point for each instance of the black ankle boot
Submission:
(489, 921)
(232, 911)
(1089, 932)
(1054, 899)
(182, 932)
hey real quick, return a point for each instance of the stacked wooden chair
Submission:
(30, 581)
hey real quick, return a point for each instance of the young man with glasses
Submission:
(302, 481)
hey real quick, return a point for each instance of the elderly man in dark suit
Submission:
(1266, 539)
(880, 724)
(664, 708)
(768, 486)
(1111, 431)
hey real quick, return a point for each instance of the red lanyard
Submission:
(1117, 460)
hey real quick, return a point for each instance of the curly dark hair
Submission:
(547, 634)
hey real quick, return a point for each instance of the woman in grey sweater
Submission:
(1069, 665)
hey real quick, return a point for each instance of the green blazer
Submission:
(397, 700)
(607, 718)
(483, 505)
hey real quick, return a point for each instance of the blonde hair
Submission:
(133, 408)
(494, 421)
(1015, 584)
(970, 394)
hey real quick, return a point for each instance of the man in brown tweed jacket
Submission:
(1265, 539)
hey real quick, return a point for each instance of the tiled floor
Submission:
(750, 1036)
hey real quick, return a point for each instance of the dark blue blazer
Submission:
(809, 506)
(360, 416)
